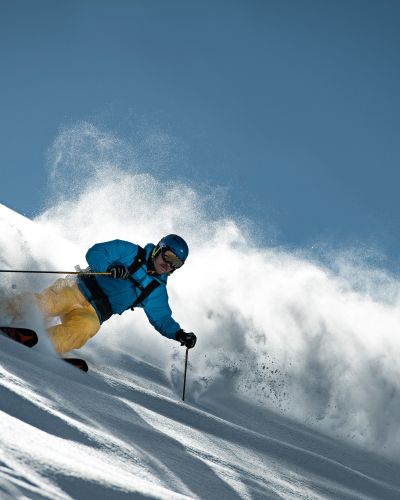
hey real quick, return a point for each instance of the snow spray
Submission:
(317, 340)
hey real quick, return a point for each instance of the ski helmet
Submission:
(174, 243)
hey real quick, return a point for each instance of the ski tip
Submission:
(24, 336)
(78, 363)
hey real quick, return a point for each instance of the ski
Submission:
(24, 336)
(78, 363)
(29, 338)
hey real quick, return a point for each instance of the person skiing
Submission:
(137, 277)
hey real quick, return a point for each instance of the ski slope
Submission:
(122, 430)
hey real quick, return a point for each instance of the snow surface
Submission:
(122, 431)
(293, 389)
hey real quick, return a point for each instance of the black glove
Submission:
(118, 271)
(187, 339)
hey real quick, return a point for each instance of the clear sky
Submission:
(294, 106)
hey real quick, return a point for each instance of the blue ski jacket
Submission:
(122, 294)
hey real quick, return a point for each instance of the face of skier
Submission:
(161, 266)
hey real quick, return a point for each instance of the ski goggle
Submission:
(173, 260)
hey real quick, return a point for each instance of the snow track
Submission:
(110, 434)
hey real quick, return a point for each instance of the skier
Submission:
(138, 278)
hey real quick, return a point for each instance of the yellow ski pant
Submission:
(79, 321)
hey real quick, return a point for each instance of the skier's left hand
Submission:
(187, 339)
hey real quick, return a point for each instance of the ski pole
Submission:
(50, 272)
(184, 378)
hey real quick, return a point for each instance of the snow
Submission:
(263, 417)
(111, 433)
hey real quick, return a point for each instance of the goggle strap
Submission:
(155, 252)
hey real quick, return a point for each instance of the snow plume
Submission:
(319, 342)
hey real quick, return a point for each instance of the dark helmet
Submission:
(174, 243)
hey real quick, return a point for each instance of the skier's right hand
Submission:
(118, 272)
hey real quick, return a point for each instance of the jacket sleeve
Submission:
(159, 313)
(101, 255)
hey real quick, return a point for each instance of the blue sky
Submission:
(294, 106)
